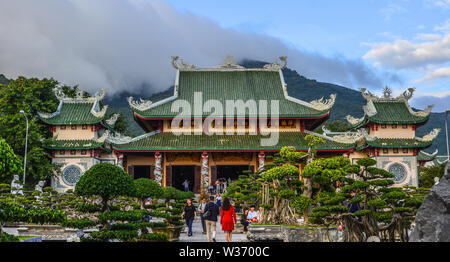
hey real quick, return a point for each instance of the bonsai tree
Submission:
(372, 207)
(147, 188)
(246, 190)
(106, 181)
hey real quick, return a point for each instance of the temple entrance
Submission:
(180, 174)
(141, 172)
(230, 172)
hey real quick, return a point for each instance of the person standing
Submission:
(244, 220)
(189, 215)
(227, 219)
(211, 213)
(217, 186)
(201, 210)
(186, 185)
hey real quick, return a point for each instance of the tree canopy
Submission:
(107, 181)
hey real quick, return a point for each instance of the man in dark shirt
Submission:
(211, 212)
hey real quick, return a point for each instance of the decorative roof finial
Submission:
(182, 65)
(276, 65)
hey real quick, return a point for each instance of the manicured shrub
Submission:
(106, 181)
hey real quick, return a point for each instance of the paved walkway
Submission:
(199, 237)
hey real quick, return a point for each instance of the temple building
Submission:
(388, 130)
(223, 120)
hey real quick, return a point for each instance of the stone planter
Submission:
(173, 232)
(269, 233)
(265, 233)
(48, 232)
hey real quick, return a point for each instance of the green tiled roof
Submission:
(233, 85)
(423, 156)
(169, 141)
(395, 112)
(72, 144)
(73, 114)
(398, 143)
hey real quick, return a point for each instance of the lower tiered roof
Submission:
(171, 142)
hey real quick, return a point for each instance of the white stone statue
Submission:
(205, 170)
(436, 180)
(39, 186)
(16, 186)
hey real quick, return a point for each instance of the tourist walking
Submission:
(211, 213)
(244, 221)
(219, 201)
(201, 211)
(227, 219)
(189, 215)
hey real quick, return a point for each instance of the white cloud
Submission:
(127, 44)
(445, 27)
(428, 37)
(403, 54)
(392, 10)
(440, 3)
(438, 74)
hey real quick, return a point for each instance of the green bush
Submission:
(88, 208)
(147, 188)
(155, 237)
(4, 237)
(107, 181)
(123, 235)
(130, 216)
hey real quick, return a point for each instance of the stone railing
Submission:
(280, 233)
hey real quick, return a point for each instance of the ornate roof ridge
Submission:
(387, 95)
(429, 154)
(79, 97)
(228, 64)
(343, 139)
(120, 139)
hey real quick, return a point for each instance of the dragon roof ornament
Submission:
(431, 136)
(387, 95)
(141, 105)
(112, 120)
(120, 139)
(354, 121)
(424, 113)
(349, 137)
(79, 96)
(182, 65)
(323, 104)
(103, 138)
(276, 66)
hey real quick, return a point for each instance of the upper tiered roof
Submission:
(389, 110)
(76, 111)
(230, 81)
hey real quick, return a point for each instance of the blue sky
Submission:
(383, 33)
(127, 45)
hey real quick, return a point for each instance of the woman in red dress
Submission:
(227, 218)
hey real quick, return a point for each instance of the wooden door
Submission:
(168, 175)
(197, 179)
(213, 179)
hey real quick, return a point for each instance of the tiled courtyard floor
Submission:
(199, 237)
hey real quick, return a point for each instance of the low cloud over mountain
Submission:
(127, 44)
